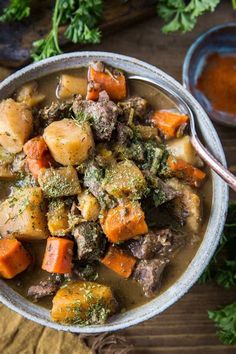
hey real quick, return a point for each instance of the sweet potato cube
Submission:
(83, 303)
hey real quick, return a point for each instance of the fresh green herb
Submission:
(80, 16)
(82, 27)
(16, 11)
(159, 197)
(225, 320)
(182, 16)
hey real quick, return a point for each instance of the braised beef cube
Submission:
(102, 115)
(56, 111)
(92, 180)
(138, 104)
(156, 243)
(90, 241)
(85, 272)
(124, 133)
(44, 288)
(149, 275)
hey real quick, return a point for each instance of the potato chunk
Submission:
(89, 206)
(83, 303)
(59, 182)
(15, 125)
(182, 149)
(28, 94)
(23, 216)
(58, 218)
(124, 179)
(68, 141)
(187, 207)
(70, 85)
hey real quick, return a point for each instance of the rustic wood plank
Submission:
(15, 49)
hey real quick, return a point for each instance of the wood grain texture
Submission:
(16, 39)
(185, 327)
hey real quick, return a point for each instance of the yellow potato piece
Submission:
(59, 182)
(89, 206)
(70, 85)
(23, 216)
(83, 303)
(58, 218)
(15, 125)
(182, 149)
(68, 141)
(28, 94)
(124, 179)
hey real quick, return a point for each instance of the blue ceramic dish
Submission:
(220, 39)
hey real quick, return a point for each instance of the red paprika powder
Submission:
(218, 82)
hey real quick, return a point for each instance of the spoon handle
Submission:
(211, 161)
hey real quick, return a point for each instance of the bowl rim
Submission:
(187, 60)
(19, 304)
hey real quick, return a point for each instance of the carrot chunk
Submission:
(124, 222)
(168, 122)
(58, 255)
(93, 90)
(14, 259)
(35, 148)
(114, 85)
(119, 261)
(185, 171)
(35, 165)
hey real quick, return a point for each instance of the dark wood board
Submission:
(16, 38)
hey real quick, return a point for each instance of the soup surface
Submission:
(104, 200)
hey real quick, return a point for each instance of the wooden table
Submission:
(184, 328)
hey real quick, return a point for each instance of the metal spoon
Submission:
(209, 159)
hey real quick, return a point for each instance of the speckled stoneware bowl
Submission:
(219, 198)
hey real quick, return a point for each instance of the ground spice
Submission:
(218, 82)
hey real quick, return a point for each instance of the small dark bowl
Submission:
(219, 39)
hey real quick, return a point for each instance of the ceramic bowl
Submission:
(219, 197)
(219, 39)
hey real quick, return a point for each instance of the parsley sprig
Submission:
(16, 11)
(181, 16)
(80, 17)
(222, 270)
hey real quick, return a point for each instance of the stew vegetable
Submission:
(102, 195)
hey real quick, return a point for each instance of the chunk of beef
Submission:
(85, 272)
(44, 288)
(90, 241)
(138, 104)
(102, 114)
(156, 243)
(124, 133)
(56, 111)
(149, 275)
(163, 192)
(93, 180)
